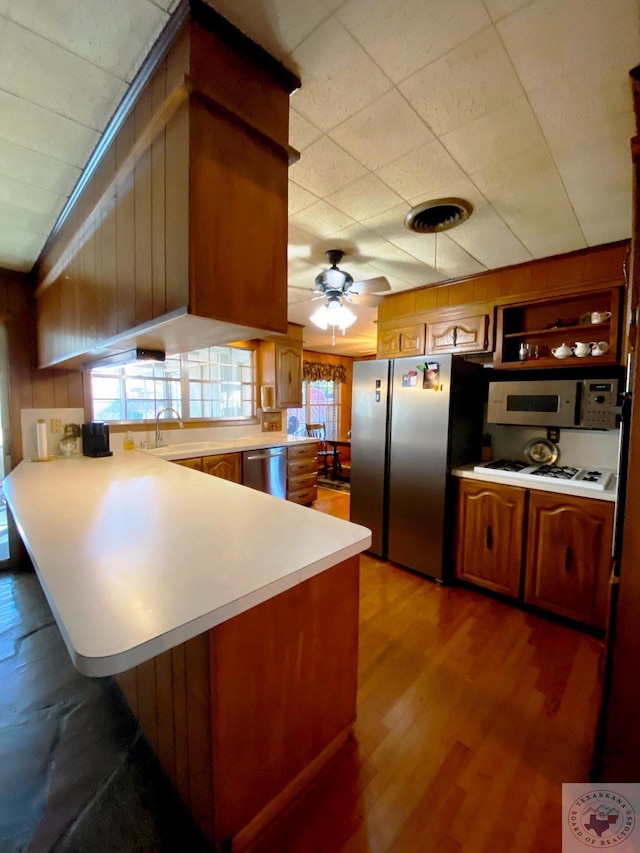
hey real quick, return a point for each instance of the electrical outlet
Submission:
(56, 425)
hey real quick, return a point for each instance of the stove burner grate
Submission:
(506, 465)
(558, 472)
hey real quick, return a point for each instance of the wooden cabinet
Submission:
(549, 550)
(154, 252)
(568, 560)
(401, 341)
(465, 334)
(227, 466)
(490, 536)
(302, 473)
(288, 381)
(195, 463)
(280, 366)
(545, 324)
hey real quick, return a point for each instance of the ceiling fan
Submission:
(334, 285)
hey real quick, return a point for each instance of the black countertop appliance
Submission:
(95, 439)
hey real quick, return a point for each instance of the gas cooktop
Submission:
(588, 478)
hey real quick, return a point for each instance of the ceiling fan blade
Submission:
(369, 299)
(371, 285)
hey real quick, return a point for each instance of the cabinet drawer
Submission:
(301, 466)
(304, 481)
(300, 450)
(303, 496)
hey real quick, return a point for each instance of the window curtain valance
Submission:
(312, 371)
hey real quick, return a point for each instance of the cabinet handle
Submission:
(489, 537)
(400, 342)
(567, 558)
(455, 336)
(289, 377)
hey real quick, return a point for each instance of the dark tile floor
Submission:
(75, 772)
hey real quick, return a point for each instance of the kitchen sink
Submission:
(188, 448)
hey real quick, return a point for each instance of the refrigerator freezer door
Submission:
(369, 427)
(418, 464)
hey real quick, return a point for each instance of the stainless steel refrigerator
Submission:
(413, 420)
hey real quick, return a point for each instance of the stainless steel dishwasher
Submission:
(266, 470)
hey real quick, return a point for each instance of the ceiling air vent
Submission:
(437, 215)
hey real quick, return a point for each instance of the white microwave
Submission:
(579, 403)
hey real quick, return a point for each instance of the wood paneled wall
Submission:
(29, 387)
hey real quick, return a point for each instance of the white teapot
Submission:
(600, 348)
(581, 349)
(562, 351)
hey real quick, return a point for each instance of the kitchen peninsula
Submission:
(229, 618)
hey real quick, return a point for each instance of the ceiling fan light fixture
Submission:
(333, 314)
(436, 215)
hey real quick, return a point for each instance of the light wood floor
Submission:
(471, 714)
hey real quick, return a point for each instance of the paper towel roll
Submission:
(41, 439)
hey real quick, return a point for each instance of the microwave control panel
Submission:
(599, 403)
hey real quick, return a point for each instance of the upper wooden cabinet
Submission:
(464, 334)
(281, 367)
(178, 238)
(401, 341)
(543, 325)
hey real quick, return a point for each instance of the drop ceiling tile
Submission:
(324, 168)
(499, 9)
(502, 133)
(301, 131)
(579, 107)
(14, 241)
(357, 241)
(547, 39)
(527, 193)
(299, 198)
(115, 36)
(339, 78)
(36, 169)
(383, 131)
(392, 261)
(26, 220)
(469, 82)
(30, 197)
(597, 182)
(427, 172)
(486, 237)
(321, 219)
(279, 26)
(364, 197)
(45, 132)
(167, 5)
(406, 35)
(451, 260)
(44, 73)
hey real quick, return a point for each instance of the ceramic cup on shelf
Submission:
(600, 316)
(599, 348)
(563, 351)
(581, 349)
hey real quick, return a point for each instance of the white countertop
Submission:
(136, 556)
(190, 450)
(562, 487)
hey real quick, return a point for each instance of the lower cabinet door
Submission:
(489, 549)
(227, 466)
(569, 556)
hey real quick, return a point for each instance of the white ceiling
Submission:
(522, 107)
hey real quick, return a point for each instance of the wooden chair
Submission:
(325, 453)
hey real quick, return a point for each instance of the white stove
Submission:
(587, 478)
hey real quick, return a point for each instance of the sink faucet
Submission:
(158, 433)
